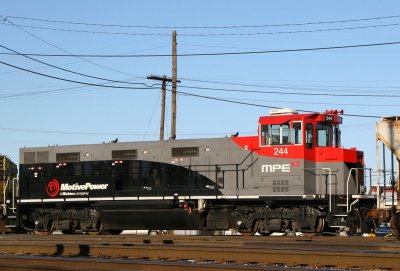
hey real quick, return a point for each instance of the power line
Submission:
(293, 93)
(304, 102)
(200, 27)
(34, 93)
(289, 32)
(181, 92)
(317, 88)
(206, 88)
(204, 34)
(215, 54)
(78, 73)
(73, 81)
(264, 106)
(59, 48)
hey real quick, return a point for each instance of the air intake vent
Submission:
(36, 157)
(68, 157)
(29, 157)
(124, 154)
(42, 157)
(185, 152)
(280, 186)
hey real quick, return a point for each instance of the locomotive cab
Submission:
(310, 145)
(304, 151)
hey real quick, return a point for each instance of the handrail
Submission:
(330, 187)
(207, 165)
(14, 190)
(4, 205)
(236, 169)
(14, 181)
(330, 182)
(347, 188)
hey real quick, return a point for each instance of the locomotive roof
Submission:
(288, 115)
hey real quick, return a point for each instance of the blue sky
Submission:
(70, 113)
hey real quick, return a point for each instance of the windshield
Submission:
(328, 135)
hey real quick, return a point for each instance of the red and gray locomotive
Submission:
(294, 175)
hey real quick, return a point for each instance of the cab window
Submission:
(328, 135)
(296, 134)
(323, 135)
(309, 136)
(279, 134)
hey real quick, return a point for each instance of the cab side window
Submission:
(309, 136)
(275, 134)
(296, 134)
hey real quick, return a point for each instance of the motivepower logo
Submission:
(54, 189)
(82, 187)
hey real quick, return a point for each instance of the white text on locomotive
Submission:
(86, 186)
(275, 168)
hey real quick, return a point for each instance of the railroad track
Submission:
(123, 252)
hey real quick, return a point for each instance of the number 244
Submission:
(280, 151)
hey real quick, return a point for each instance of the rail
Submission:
(272, 253)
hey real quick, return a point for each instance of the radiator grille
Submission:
(280, 186)
(185, 152)
(29, 157)
(68, 157)
(124, 154)
(42, 157)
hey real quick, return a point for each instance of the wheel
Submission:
(47, 230)
(356, 222)
(96, 230)
(395, 225)
(253, 229)
(319, 225)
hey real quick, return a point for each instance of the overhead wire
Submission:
(293, 93)
(210, 54)
(73, 81)
(214, 54)
(181, 92)
(36, 93)
(207, 88)
(302, 87)
(202, 27)
(263, 106)
(65, 51)
(306, 102)
(78, 73)
(205, 34)
(151, 117)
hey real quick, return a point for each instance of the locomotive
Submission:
(293, 175)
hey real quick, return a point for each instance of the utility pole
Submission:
(174, 75)
(164, 80)
(162, 120)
